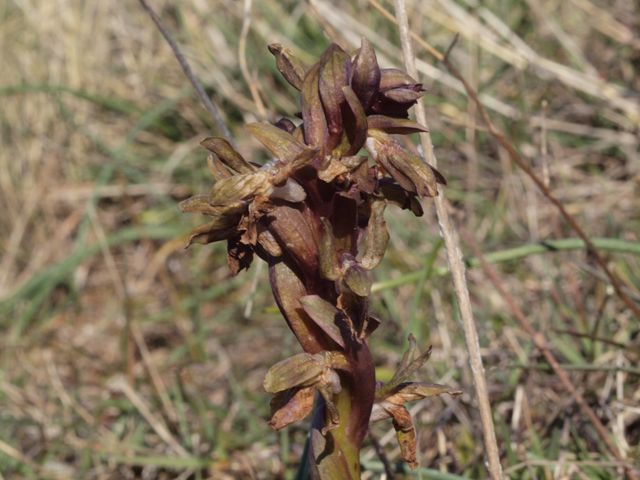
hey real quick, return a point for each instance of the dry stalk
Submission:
(539, 340)
(456, 266)
(204, 98)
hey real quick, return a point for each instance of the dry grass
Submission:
(99, 134)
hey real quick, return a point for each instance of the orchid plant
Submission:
(306, 214)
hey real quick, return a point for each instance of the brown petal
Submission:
(358, 133)
(365, 78)
(199, 203)
(399, 196)
(301, 370)
(315, 123)
(331, 168)
(334, 73)
(282, 144)
(327, 316)
(394, 78)
(240, 187)
(357, 280)
(377, 237)
(407, 168)
(286, 125)
(221, 228)
(223, 149)
(290, 406)
(288, 65)
(266, 241)
(414, 391)
(293, 233)
(239, 256)
(287, 288)
(329, 265)
(217, 168)
(406, 433)
(395, 126)
(402, 95)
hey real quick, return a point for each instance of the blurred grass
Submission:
(99, 132)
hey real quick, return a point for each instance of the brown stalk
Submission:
(539, 340)
(456, 266)
(204, 98)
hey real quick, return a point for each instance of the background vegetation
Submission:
(124, 356)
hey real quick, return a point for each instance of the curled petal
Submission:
(288, 65)
(407, 168)
(289, 406)
(406, 434)
(231, 158)
(399, 196)
(331, 168)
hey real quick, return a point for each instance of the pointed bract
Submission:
(365, 77)
(288, 65)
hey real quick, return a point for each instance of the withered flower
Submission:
(306, 214)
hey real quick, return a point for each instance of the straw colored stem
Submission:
(456, 265)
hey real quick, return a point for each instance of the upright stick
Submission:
(454, 258)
